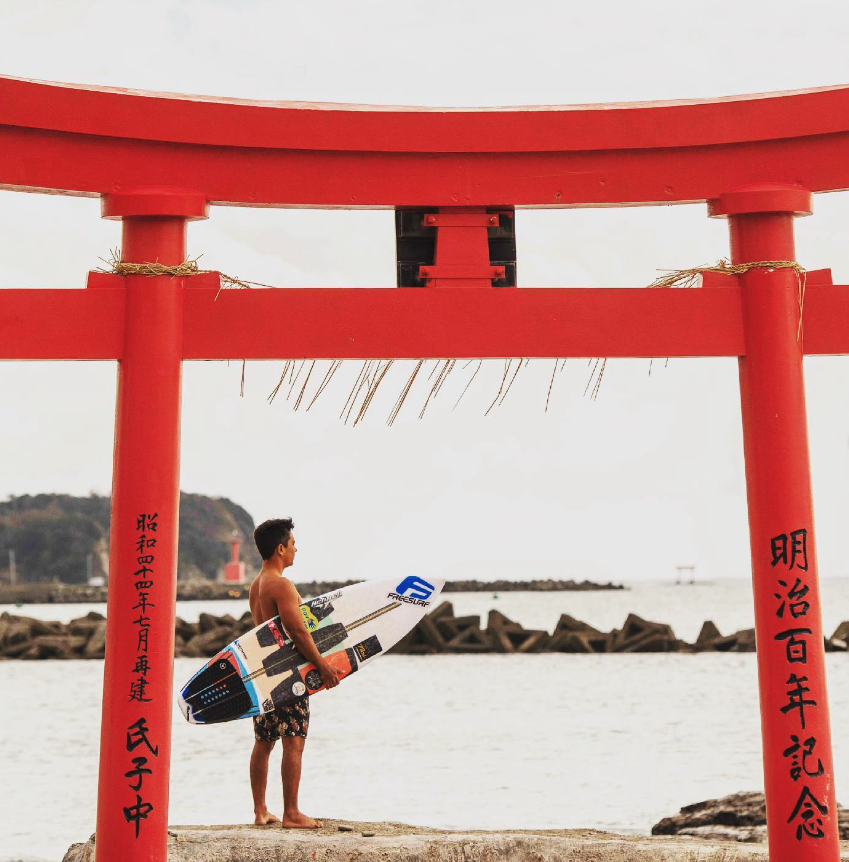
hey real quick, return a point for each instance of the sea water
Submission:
(469, 741)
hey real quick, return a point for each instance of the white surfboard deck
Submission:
(262, 669)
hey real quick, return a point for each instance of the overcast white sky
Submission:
(647, 477)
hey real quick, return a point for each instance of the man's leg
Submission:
(293, 749)
(259, 780)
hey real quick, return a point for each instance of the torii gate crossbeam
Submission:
(376, 323)
(158, 160)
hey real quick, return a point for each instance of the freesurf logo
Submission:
(415, 587)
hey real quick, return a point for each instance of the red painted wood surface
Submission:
(62, 324)
(462, 322)
(86, 140)
(461, 254)
(135, 741)
(97, 141)
(800, 805)
(356, 323)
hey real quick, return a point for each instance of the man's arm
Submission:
(286, 598)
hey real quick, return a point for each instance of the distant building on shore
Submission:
(234, 570)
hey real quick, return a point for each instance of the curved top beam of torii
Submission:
(92, 140)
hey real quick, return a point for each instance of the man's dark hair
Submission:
(269, 534)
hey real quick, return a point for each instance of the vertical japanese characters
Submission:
(139, 745)
(789, 553)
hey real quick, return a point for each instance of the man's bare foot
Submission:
(296, 820)
(265, 818)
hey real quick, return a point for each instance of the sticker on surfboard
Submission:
(263, 670)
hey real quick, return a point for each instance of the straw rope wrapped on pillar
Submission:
(692, 277)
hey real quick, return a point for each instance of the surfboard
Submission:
(263, 670)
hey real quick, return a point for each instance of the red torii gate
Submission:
(158, 160)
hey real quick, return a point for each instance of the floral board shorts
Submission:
(284, 721)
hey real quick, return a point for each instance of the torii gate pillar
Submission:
(798, 769)
(135, 742)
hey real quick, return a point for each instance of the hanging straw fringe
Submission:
(447, 368)
(471, 380)
(404, 393)
(373, 372)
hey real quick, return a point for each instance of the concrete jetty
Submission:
(398, 842)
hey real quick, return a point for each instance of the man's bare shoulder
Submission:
(269, 585)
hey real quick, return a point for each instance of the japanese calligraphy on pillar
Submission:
(139, 746)
(789, 552)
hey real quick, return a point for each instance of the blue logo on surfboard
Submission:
(415, 588)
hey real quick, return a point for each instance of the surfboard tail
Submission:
(217, 692)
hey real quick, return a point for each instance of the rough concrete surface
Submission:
(397, 842)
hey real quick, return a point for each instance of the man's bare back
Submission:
(264, 594)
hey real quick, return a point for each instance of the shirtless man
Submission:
(272, 594)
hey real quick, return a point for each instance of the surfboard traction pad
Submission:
(226, 688)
